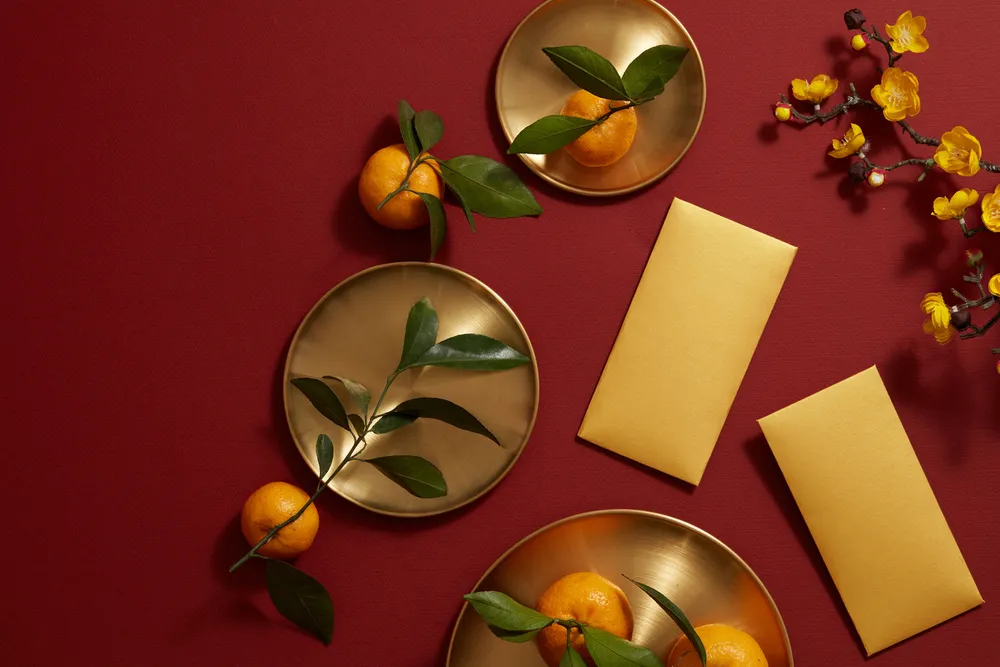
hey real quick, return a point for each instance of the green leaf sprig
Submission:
(645, 78)
(297, 596)
(513, 622)
(481, 185)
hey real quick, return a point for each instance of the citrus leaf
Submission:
(471, 352)
(324, 453)
(676, 615)
(610, 650)
(438, 222)
(432, 408)
(503, 612)
(415, 474)
(589, 70)
(466, 210)
(549, 134)
(406, 116)
(488, 187)
(571, 658)
(514, 637)
(646, 76)
(300, 598)
(323, 399)
(357, 391)
(357, 422)
(429, 128)
(421, 332)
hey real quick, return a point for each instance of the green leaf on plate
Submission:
(488, 187)
(610, 650)
(471, 352)
(415, 474)
(357, 422)
(323, 399)
(432, 408)
(514, 637)
(421, 332)
(678, 617)
(549, 134)
(429, 128)
(300, 598)
(357, 391)
(324, 453)
(438, 221)
(503, 612)
(646, 76)
(589, 70)
(406, 116)
(571, 658)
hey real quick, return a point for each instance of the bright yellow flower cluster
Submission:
(959, 152)
(938, 322)
(897, 94)
(815, 91)
(991, 211)
(954, 208)
(995, 285)
(906, 34)
(852, 142)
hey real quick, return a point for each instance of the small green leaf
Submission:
(610, 650)
(514, 637)
(406, 116)
(646, 76)
(438, 222)
(357, 422)
(300, 598)
(571, 658)
(678, 617)
(549, 134)
(432, 408)
(324, 453)
(488, 187)
(357, 391)
(471, 352)
(504, 613)
(421, 332)
(466, 210)
(589, 70)
(429, 128)
(415, 474)
(323, 399)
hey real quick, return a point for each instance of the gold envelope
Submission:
(687, 339)
(871, 510)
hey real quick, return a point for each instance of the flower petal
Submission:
(800, 89)
(919, 24)
(919, 44)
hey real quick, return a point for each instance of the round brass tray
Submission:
(698, 572)
(529, 86)
(356, 331)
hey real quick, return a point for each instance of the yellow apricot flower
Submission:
(897, 94)
(850, 144)
(991, 210)
(907, 33)
(954, 208)
(959, 152)
(820, 88)
(938, 320)
(995, 285)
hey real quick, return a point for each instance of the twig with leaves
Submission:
(297, 596)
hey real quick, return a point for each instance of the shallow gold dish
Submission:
(695, 570)
(529, 86)
(356, 331)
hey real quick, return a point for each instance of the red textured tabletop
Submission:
(178, 188)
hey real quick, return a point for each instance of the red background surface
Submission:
(178, 188)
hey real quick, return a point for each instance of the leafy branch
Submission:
(513, 622)
(296, 595)
(645, 78)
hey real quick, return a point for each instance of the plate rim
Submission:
(586, 191)
(433, 266)
(630, 512)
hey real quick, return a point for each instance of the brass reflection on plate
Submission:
(529, 86)
(356, 331)
(698, 572)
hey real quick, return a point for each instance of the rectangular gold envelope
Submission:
(871, 510)
(687, 339)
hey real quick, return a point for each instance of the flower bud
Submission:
(961, 319)
(782, 111)
(876, 177)
(857, 171)
(854, 19)
(859, 42)
(973, 256)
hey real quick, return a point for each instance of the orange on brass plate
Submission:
(529, 86)
(356, 331)
(692, 568)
